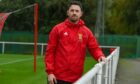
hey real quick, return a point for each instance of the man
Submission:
(65, 53)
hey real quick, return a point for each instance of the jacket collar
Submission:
(70, 24)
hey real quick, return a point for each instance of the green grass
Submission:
(23, 73)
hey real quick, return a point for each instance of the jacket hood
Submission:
(70, 24)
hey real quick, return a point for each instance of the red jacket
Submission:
(65, 53)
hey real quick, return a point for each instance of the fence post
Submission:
(138, 47)
(3, 47)
(42, 49)
(99, 75)
(109, 72)
(106, 73)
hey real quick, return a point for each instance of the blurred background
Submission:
(114, 22)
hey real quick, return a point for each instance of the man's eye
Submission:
(72, 10)
(77, 10)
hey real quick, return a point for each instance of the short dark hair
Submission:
(74, 2)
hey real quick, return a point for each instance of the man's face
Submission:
(74, 13)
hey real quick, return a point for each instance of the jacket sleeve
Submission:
(50, 51)
(93, 47)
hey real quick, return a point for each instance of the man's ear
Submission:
(81, 13)
(67, 13)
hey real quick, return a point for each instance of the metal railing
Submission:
(102, 73)
(22, 43)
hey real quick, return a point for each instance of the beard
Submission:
(74, 19)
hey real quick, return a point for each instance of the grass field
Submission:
(18, 69)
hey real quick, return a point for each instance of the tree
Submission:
(124, 17)
(56, 12)
(51, 12)
(22, 20)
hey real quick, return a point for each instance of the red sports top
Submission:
(66, 49)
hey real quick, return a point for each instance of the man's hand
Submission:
(52, 79)
(102, 59)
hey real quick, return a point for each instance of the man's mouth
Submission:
(74, 16)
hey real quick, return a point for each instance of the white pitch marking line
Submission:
(18, 61)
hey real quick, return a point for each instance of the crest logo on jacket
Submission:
(80, 36)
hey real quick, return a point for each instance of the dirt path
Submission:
(128, 71)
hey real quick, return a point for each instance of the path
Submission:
(128, 71)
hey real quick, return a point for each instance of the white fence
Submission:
(102, 73)
(3, 48)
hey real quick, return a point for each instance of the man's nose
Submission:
(74, 12)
